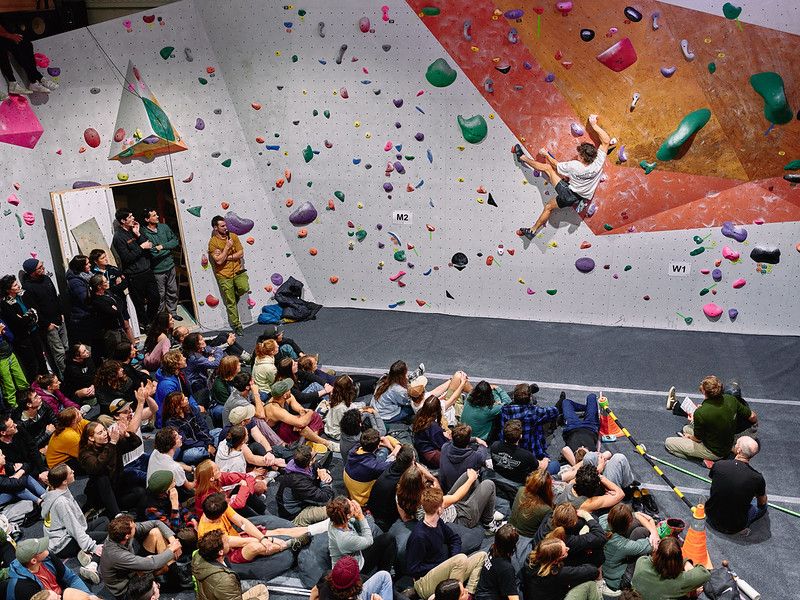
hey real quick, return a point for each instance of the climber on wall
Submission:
(21, 49)
(583, 175)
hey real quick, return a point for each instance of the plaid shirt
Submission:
(532, 417)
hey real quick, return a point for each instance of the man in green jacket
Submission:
(163, 265)
(215, 580)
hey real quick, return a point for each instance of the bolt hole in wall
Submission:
(159, 195)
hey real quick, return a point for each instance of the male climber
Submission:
(584, 175)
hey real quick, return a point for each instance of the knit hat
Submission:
(29, 266)
(160, 481)
(27, 549)
(241, 413)
(279, 388)
(271, 332)
(345, 573)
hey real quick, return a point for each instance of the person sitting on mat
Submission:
(591, 491)
(615, 467)
(666, 574)
(584, 175)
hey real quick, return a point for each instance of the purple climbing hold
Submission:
(53, 71)
(592, 209)
(550, 77)
(716, 275)
(735, 232)
(398, 102)
(84, 184)
(419, 136)
(398, 166)
(387, 187)
(668, 71)
(576, 130)
(276, 279)
(379, 226)
(732, 314)
(527, 65)
(585, 264)
(199, 124)
(513, 14)
(303, 214)
(237, 224)
(151, 139)
(622, 155)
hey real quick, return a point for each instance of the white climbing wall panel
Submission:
(783, 15)
(89, 96)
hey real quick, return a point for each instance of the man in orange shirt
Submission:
(226, 253)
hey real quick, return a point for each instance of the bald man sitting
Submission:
(738, 492)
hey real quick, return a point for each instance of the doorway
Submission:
(159, 194)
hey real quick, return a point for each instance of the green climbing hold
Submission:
(126, 153)
(351, 233)
(202, 80)
(440, 74)
(166, 52)
(730, 11)
(697, 251)
(19, 219)
(608, 227)
(295, 58)
(687, 128)
(473, 129)
(400, 255)
(326, 114)
(274, 228)
(792, 166)
(301, 12)
(308, 153)
(226, 163)
(627, 268)
(158, 120)
(407, 157)
(769, 86)
(310, 183)
(431, 11)
(360, 235)
(21, 234)
(339, 195)
(648, 166)
(552, 292)
(194, 210)
(314, 112)
(712, 67)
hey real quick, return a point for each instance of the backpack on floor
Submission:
(721, 586)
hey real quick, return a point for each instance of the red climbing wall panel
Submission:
(732, 171)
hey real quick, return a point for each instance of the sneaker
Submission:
(671, 399)
(49, 83)
(239, 330)
(525, 232)
(90, 573)
(334, 447)
(301, 542)
(37, 86)
(493, 527)
(518, 152)
(85, 409)
(606, 591)
(246, 356)
(412, 375)
(15, 88)
(498, 516)
(84, 558)
(649, 503)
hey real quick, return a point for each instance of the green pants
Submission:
(584, 591)
(310, 515)
(12, 379)
(233, 288)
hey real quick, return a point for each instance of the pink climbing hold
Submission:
(564, 8)
(731, 255)
(397, 276)
(92, 137)
(212, 301)
(705, 271)
(18, 123)
(13, 200)
(385, 11)
(620, 56)
(530, 292)
(28, 217)
(388, 146)
(758, 221)
(251, 303)
(739, 283)
(363, 24)
(712, 311)
(343, 93)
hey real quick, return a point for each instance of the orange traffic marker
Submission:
(694, 548)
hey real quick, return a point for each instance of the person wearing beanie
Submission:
(22, 319)
(44, 297)
(343, 582)
(215, 579)
(290, 420)
(163, 504)
(34, 570)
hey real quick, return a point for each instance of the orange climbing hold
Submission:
(289, 203)
(267, 288)
(331, 205)
(489, 261)
(302, 233)
(409, 187)
(421, 302)
(312, 251)
(251, 240)
(333, 279)
(260, 140)
(481, 190)
(210, 70)
(225, 205)
(256, 106)
(279, 183)
(585, 245)
(288, 175)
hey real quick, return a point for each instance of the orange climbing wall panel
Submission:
(732, 171)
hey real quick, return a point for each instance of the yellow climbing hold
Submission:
(122, 176)
(462, 148)
(552, 244)
(480, 200)
(521, 280)
(335, 92)
(277, 52)
(721, 55)
(707, 40)
(305, 92)
(474, 48)
(360, 205)
(781, 153)
(357, 124)
(460, 180)
(368, 135)
(491, 115)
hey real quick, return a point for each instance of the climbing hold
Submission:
(212, 301)
(363, 24)
(712, 67)
(490, 201)
(732, 314)
(122, 176)
(686, 130)
(321, 29)
(308, 153)
(620, 56)
(251, 240)
(344, 93)
(687, 54)
(276, 279)
(28, 217)
(769, 86)
(655, 16)
(189, 178)
(303, 214)
(226, 163)
(92, 137)
(739, 283)
(716, 275)
(585, 264)
(400, 255)
(333, 279)
(431, 11)
(255, 105)
(792, 166)
(564, 8)
(199, 124)
(302, 233)
(13, 200)
(340, 56)
(766, 254)
(576, 129)
(551, 292)
(503, 67)
(648, 166)
(731, 255)
(668, 71)
(622, 155)
(440, 73)
(513, 36)
(735, 232)
(166, 52)
(632, 14)
(474, 129)
(490, 260)
(459, 260)
(634, 101)
(514, 14)
(627, 268)
(712, 311)
(587, 35)
(202, 80)
(194, 210)
(730, 11)
(238, 225)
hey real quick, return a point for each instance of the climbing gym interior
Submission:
(365, 149)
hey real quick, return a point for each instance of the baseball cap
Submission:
(241, 413)
(118, 406)
(27, 549)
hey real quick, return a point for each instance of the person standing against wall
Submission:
(226, 254)
(163, 265)
(133, 250)
(45, 299)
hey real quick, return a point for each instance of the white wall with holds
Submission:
(282, 92)
(89, 94)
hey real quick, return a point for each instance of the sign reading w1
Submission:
(402, 217)
(680, 269)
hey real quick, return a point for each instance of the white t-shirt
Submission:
(164, 462)
(583, 179)
(131, 456)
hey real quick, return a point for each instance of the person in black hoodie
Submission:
(586, 548)
(79, 323)
(304, 490)
(382, 501)
(547, 575)
(133, 249)
(462, 453)
(106, 317)
(45, 299)
(22, 319)
(79, 375)
(19, 448)
(34, 416)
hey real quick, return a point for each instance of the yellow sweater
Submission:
(64, 446)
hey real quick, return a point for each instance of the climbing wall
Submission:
(343, 121)
(214, 175)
